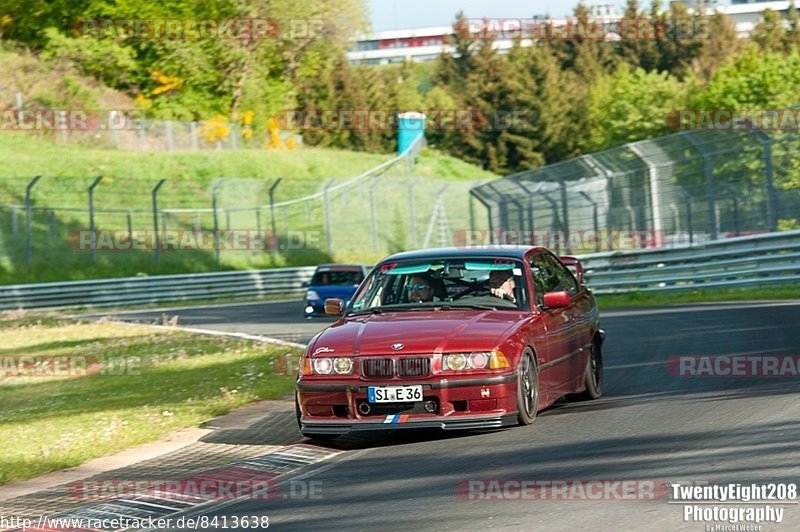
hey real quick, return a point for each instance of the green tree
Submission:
(770, 34)
(631, 105)
(720, 43)
(754, 80)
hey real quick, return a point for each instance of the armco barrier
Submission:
(745, 261)
(156, 289)
(770, 258)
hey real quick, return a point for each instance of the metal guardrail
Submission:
(156, 289)
(744, 261)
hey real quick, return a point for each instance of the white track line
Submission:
(172, 309)
(242, 336)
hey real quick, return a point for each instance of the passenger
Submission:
(502, 284)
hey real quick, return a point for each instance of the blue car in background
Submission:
(332, 281)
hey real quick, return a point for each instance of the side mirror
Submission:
(305, 284)
(335, 307)
(551, 300)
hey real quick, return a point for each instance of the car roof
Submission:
(506, 252)
(339, 268)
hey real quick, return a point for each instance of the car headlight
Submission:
(322, 366)
(343, 365)
(454, 362)
(326, 366)
(477, 360)
(312, 295)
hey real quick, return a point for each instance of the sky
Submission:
(405, 14)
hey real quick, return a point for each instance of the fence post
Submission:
(735, 199)
(772, 197)
(530, 209)
(556, 220)
(168, 131)
(53, 224)
(28, 216)
(564, 208)
(272, 222)
(214, 191)
(655, 195)
(154, 193)
(594, 219)
(193, 134)
(710, 189)
(15, 221)
(473, 192)
(142, 138)
(412, 219)
(327, 214)
(688, 198)
(372, 214)
(92, 236)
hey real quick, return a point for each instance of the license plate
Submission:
(394, 394)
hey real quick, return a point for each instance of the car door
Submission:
(551, 356)
(578, 327)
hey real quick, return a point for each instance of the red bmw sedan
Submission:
(455, 339)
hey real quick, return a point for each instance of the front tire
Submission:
(527, 390)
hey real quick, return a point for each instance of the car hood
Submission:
(418, 331)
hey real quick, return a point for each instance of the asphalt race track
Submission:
(650, 426)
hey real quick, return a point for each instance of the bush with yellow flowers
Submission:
(215, 129)
(165, 83)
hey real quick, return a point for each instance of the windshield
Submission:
(479, 283)
(342, 277)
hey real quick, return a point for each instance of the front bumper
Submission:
(464, 403)
(450, 423)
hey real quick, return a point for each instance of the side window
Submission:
(545, 278)
(566, 281)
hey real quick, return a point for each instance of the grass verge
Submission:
(708, 295)
(117, 386)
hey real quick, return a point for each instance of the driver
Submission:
(419, 289)
(502, 284)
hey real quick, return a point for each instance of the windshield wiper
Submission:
(470, 305)
(373, 310)
(455, 307)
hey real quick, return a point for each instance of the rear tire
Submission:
(527, 390)
(593, 376)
